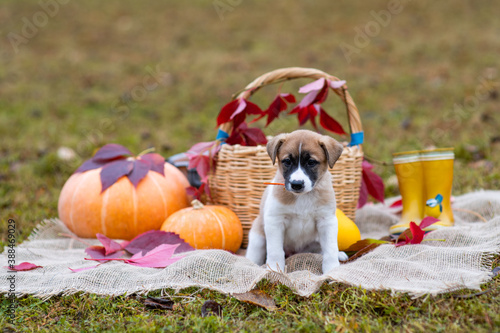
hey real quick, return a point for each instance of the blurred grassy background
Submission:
(156, 74)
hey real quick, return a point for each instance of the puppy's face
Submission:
(303, 157)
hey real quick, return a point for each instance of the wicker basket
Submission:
(238, 182)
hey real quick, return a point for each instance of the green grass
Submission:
(78, 84)
(335, 308)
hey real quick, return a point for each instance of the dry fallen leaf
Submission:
(156, 303)
(257, 297)
(364, 246)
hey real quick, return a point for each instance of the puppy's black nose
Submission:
(297, 185)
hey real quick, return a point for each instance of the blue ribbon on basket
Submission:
(222, 136)
(357, 138)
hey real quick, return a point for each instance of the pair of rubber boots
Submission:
(425, 179)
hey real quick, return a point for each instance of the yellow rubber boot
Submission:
(438, 176)
(411, 186)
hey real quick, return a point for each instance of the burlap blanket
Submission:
(463, 260)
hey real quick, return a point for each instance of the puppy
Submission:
(300, 217)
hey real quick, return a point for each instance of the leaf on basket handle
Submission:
(236, 111)
(246, 136)
(329, 123)
(310, 105)
(278, 105)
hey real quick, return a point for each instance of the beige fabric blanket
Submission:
(463, 260)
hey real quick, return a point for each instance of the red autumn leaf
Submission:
(254, 137)
(110, 246)
(417, 233)
(159, 257)
(309, 106)
(278, 105)
(329, 123)
(212, 147)
(427, 221)
(373, 182)
(246, 136)
(202, 165)
(99, 252)
(24, 266)
(111, 152)
(408, 236)
(196, 193)
(288, 97)
(89, 165)
(316, 91)
(306, 113)
(201, 157)
(227, 111)
(147, 241)
(363, 195)
(397, 203)
(111, 172)
(157, 162)
(237, 110)
(116, 162)
(139, 171)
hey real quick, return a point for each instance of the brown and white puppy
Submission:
(300, 217)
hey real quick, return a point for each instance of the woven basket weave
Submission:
(238, 182)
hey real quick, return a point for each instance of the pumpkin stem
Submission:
(197, 204)
(144, 152)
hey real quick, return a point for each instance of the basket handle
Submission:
(291, 73)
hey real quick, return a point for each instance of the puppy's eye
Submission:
(286, 162)
(312, 162)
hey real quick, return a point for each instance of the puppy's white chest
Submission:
(300, 231)
(299, 222)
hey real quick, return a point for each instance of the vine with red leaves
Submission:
(202, 155)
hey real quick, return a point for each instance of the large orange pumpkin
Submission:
(122, 211)
(206, 227)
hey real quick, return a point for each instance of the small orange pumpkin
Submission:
(121, 209)
(206, 227)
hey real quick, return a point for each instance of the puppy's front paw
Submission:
(330, 264)
(276, 264)
(343, 256)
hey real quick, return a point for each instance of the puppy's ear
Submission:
(274, 145)
(333, 149)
